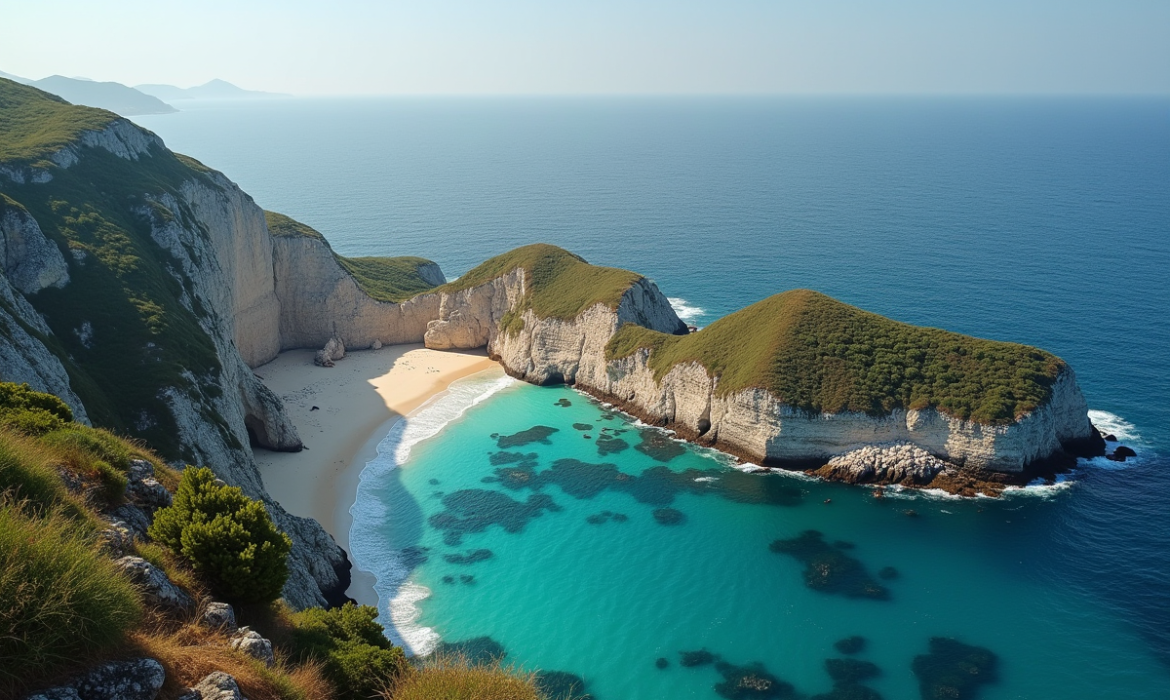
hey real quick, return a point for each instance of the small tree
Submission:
(226, 536)
(358, 658)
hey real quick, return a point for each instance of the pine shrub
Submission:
(357, 657)
(228, 538)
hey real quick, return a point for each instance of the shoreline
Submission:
(341, 414)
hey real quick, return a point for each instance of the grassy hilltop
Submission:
(821, 355)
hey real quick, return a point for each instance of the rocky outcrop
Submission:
(30, 261)
(251, 643)
(135, 679)
(157, 590)
(216, 686)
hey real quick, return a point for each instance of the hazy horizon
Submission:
(521, 47)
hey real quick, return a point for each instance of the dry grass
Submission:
(456, 678)
(192, 652)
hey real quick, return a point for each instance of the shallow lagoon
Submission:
(571, 586)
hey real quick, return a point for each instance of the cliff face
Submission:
(756, 424)
(543, 350)
(319, 300)
(213, 242)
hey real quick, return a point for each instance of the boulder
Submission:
(251, 643)
(157, 589)
(133, 519)
(334, 350)
(216, 686)
(136, 679)
(219, 616)
(143, 488)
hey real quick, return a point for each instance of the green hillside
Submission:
(561, 284)
(821, 355)
(124, 288)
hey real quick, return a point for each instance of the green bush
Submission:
(359, 660)
(32, 412)
(227, 537)
(58, 598)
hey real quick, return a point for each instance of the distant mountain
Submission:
(15, 78)
(115, 97)
(212, 90)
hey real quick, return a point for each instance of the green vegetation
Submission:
(283, 226)
(385, 279)
(228, 538)
(357, 657)
(560, 284)
(31, 412)
(458, 679)
(35, 124)
(120, 327)
(58, 597)
(820, 355)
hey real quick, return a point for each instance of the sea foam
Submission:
(684, 309)
(398, 598)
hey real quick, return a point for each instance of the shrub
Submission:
(31, 412)
(58, 598)
(357, 657)
(227, 537)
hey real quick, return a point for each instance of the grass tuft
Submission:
(456, 678)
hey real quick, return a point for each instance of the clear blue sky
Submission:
(648, 46)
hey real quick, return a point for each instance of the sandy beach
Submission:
(342, 413)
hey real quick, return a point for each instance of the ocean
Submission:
(1043, 221)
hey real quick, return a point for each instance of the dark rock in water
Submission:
(1110, 438)
(620, 517)
(888, 573)
(475, 510)
(842, 544)
(467, 578)
(850, 645)
(490, 480)
(563, 403)
(587, 436)
(495, 435)
(433, 482)
(475, 555)
(608, 444)
(702, 657)
(910, 513)
(828, 569)
(519, 458)
(448, 579)
(953, 669)
(669, 516)
(479, 651)
(561, 685)
(751, 681)
(597, 519)
(851, 670)
(1122, 453)
(661, 663)
(415, 556)
(583, 426)
(660, 447)
(537, 433)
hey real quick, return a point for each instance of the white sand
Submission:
(357, 401)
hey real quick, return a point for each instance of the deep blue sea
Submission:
(1041, 221)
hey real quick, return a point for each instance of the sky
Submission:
(460, 47)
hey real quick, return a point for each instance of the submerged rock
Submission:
(475, 555)
(751, 681)
(608, 444)
(702, 657)
(661, 663)
(850, 645)
(479, 651)
(475, 510)
(659, 446)
(561, 685)
(851, 670)
(537, 433)
(953, 669)
(669, 516)
(828, 569)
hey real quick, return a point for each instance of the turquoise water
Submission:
(605, 600)
(1038, 220)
